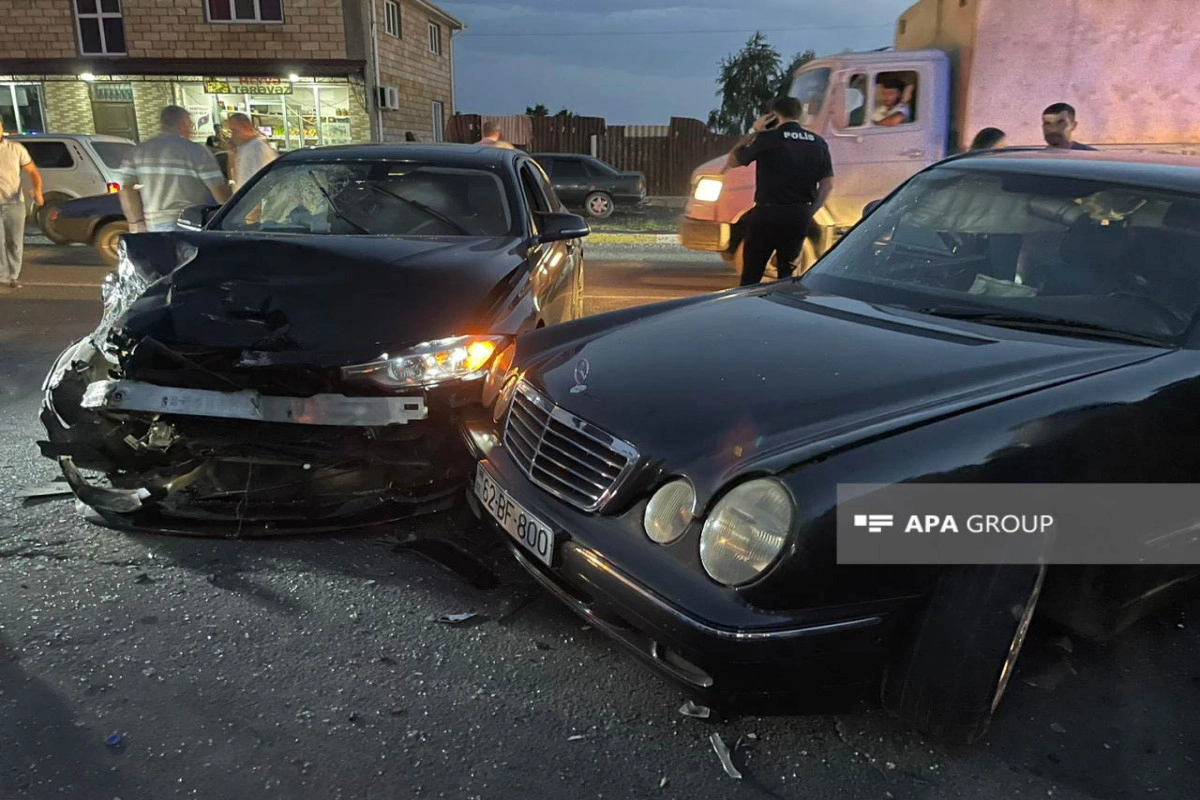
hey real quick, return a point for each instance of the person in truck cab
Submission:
(892, 109)
(794, 176)
(1058, 128)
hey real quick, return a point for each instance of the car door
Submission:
(552, 265)
(571, 181)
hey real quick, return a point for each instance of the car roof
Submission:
(93, 137)
(1157, 170)
(458, 154)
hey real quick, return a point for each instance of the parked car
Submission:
(72, 165)
(588, 183)
(97, 221)
(671, 471)
(303, 358)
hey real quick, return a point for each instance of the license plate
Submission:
(533, 534)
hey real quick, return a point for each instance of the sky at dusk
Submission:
(625, 66)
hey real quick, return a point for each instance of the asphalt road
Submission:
(315, 667)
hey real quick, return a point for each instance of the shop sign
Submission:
(247, 86)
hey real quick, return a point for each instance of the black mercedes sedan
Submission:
(302, 358)
(671, 471)
(587, 183)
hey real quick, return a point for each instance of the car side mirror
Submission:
(560, 227)
(194, 218)
(871, 206)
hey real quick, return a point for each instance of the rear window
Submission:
(49, 155)
(112, 153)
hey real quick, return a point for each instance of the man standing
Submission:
(14, 160)
(1058, 128)
(794, 177)
(491, 137)
(251, 152)
(167, 174)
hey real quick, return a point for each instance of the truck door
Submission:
(888, 122)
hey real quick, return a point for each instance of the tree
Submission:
(566, 114)
(785, 77)
(748, 80)
(537, 111)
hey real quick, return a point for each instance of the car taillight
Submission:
(113, 188)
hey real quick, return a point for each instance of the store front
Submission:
(290, 114)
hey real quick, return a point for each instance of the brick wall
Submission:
(34, 29)
(421, 75)
(149, 98)
(68, 107)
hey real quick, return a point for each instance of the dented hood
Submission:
(317, 299)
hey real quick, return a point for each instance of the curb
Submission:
(632, 238)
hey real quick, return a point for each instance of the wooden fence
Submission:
(667, 154)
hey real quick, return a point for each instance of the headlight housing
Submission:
(670, 511)
(708, 189)
(461, 358)
(746, 531)
(497, 374)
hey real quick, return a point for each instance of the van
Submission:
(72, 165)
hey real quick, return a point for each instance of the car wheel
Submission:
(949, 677)
(598, 205)
(108, 239)
(45, 218)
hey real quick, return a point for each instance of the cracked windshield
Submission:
(543, 398)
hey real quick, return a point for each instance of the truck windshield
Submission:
(1034, 247)
(809, 88)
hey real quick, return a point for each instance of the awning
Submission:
(248, 67)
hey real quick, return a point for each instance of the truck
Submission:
(963, 65)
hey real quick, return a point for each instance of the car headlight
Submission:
(462, 358)
(708, 189)
(746, 531)
(497, 373)
(670, 511)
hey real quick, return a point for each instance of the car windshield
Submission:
(112, 153)
(1004, 247)
(372, 198)
(809, 88)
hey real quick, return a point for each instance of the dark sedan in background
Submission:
(671, 471)
(97, 221)
(303, 359)
(588, 183)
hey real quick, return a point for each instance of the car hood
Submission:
(726, 384)
(314, 299)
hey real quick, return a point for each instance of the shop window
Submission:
(391, 18)
(101, 28)
(21, 108)
(50, 155)
(245, 10)
(435, 38)
(439, 121)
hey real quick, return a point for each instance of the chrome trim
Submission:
(603, 439)
(320, 409)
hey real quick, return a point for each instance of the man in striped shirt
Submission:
(169, 173)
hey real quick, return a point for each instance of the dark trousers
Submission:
(773, 229)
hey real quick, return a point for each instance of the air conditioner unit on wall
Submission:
(389, 97)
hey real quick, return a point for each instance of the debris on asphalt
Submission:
(690, 709)
(576, 738)
(1057, 728)
(33, 494)
(542, 646)
(115, 741)
(663, 783)
(722, 752)
(455, 619)
(745, 742)
(143, 579)
(385, 659)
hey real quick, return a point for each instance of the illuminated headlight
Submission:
(746, 531)
(670, 511)
(462, 358)
(708, 189)
(497, 374)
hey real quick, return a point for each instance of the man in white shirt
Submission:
(14, 160)
(893, 109)
(251, 152)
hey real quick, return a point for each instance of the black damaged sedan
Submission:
(671, 471)
(302, 359)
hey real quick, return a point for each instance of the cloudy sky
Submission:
(637, 61)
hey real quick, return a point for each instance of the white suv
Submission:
(72, 165)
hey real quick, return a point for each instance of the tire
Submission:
(808, 257)
(106, 239)
(598, 205)
(949, 677)
(43, 218)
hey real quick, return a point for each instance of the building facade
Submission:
(308, 72)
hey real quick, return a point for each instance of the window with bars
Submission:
(435, 38)
(391, 18)
(101, 28)
(245, 10)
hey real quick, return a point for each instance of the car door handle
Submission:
(913, 153)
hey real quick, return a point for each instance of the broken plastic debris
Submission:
(45, 492)
(576, 738)
(690, 709)
(1057, 728)
(663, 783)
(723, 754)
(115, 741)
(455, 619)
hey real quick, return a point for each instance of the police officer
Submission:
(794, 179)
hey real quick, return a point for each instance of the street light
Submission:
(87, 76)
(293, 77)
